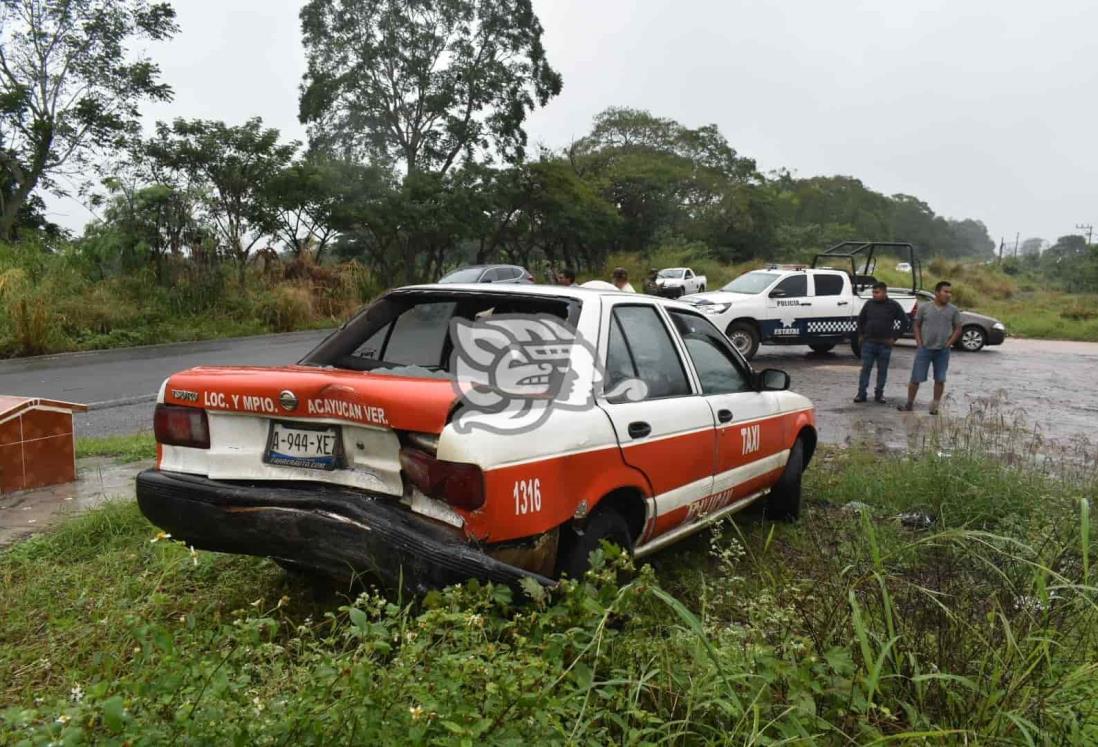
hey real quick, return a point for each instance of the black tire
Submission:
(856, 347)
(822, 348)
(577, 543)
(972, 339)
(744, 337)
(784, 501)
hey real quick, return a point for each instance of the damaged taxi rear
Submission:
(442, 434)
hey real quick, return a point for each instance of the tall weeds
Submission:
(957, 604)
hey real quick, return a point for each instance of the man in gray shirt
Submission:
(937, 327)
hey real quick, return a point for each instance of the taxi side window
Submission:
(640, 347)
(716, 364)
(794, 286)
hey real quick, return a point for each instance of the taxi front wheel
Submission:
(784, 500)
(577, 543)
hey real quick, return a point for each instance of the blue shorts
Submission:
(924, 358)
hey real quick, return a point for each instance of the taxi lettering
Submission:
(750, 436)
(347, 410)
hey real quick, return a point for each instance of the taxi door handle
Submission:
(639, 429)
(724, 416)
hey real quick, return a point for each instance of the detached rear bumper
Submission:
(333, 530)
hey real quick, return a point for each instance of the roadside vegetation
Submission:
(133, 448)
(205, 228)
(947, 595)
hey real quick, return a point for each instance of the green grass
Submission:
(122, 448)
(849, 627)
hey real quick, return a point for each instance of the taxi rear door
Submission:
(667, 432)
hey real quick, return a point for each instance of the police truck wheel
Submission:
(856, 347)
(972, 339)
(577, 543)
(744, 337)
(784, 501)
(822, 348)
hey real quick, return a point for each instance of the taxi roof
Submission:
(551, 291)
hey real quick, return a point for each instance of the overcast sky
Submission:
(984, 108)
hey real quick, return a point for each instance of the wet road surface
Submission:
(1052, 385)
(97, 480)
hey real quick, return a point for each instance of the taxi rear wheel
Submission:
(577, 543)
(784, 501)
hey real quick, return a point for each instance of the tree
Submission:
(971, 239)
(232, 167)
(305, 196)
(1031, 247)
(69, 85)
(423, 84)
(663, 177)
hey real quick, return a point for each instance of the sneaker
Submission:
(880, 399)
(905, 407)
(933, 408)
(860, 398)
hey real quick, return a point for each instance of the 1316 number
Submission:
(527, 496)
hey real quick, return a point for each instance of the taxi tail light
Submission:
(458, 484)
(181, 426)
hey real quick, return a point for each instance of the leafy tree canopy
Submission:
(69, 86)
(423, 85)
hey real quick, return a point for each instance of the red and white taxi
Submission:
(448, 432)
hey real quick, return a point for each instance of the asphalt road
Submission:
(121, 385)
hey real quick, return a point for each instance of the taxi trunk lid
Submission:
(305, 392)
(369, 414)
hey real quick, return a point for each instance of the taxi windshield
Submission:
(751, 283)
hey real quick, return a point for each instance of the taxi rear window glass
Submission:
(411, 331)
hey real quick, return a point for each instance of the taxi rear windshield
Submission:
(409, 333)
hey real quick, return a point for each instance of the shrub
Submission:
(1080, 311)
(32, 326)
(286, 307)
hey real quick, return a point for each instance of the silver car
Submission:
(978, 330)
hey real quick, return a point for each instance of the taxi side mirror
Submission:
(773, 380)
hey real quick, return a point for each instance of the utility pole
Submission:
(1002, 243)
(1017, 238)
(1088, 228)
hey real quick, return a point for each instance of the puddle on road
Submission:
(99, 479)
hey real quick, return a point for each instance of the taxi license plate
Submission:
(304, 446)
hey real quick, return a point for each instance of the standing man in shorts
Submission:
(937, 327)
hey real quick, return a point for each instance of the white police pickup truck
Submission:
(792, 305)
